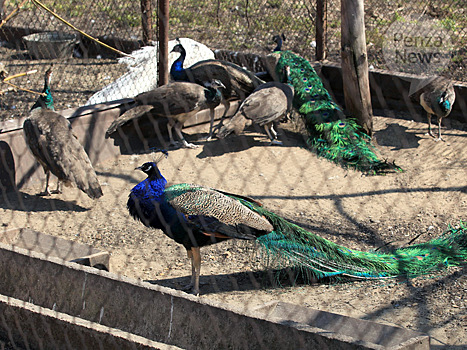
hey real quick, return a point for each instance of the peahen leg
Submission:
(46, 191)
(195, 255)
(226, 105)
(178, 129)
(439, 130)
(272, 134)
(57, 190)
(430, 132)
(170, 125)
(211, 125)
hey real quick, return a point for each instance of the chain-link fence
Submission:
(347, 207)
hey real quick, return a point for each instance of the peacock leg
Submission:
(178, 129)
(196, 269)
(195, 255)
(46, 191)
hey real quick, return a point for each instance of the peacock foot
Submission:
(189, 288)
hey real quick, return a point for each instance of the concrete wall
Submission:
(90, 299)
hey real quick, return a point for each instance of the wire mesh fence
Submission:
(347, 207)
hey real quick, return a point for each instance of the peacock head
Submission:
(278, 39)
(179, 48)
(151, 169)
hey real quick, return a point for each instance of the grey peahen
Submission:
(238, 82)
(270, 102)
(177, 101)
(196, 216)
(51, 140)
(436, 95)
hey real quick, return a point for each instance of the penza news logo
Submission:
(418, 45)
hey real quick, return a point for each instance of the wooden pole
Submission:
(163, 25)
(321, 27)
(146, 21)
(355, 64)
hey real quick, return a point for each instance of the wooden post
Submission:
(163, 25)
(146, 21)
(321, 27)
(355, 64)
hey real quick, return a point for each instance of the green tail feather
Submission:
(291, 245)
(330, 136)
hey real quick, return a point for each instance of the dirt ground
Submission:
(351, 209)
(357, 211)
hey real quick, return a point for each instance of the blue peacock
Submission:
(196, 216)
(330, 135)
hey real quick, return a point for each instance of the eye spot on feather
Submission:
(341, 124)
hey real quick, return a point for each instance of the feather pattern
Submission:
(330, 135)
(195, 216)
(51, 140)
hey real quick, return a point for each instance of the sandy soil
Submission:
(360, 212)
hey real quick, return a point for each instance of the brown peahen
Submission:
(51, 140)
(176, 101)
(436, 96)
(238, 82)
(270, 102)
(196, 216)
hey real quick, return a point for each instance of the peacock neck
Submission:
(279, 45)
(177, 71)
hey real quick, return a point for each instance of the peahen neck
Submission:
(213, 95)
(444, 103)
(45, 101)
(177, 71)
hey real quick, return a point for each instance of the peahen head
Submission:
(46, 100)
(213, 93)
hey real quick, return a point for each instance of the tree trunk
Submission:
(321, 25)
(146, 21)
(355, 64)
(163, 25)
